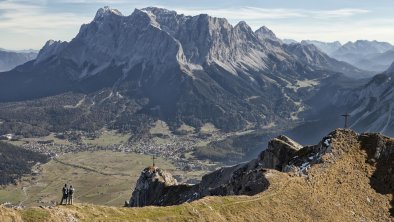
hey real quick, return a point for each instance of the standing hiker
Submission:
(64, 194)
(70, 195)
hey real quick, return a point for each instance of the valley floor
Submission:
(333, 191)
(100, 177)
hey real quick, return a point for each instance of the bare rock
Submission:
(156, 187)
(279, 151)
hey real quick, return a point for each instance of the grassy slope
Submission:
(337, 191)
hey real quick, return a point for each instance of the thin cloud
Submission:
(245, 13)
(339, 13)
(255, 13)
(24, 17)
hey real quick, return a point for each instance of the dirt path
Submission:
(24, 189)
(89, 169)
(116, 198)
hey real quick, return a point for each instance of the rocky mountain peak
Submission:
(150, 186)
(106, 11)
(160, 12)
(265, 33)
(51, 48)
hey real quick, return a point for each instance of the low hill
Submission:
(353, 182)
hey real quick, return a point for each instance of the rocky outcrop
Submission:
(158, 187)
(380, 150)
(279, 151)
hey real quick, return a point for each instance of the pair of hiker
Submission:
(67, 194)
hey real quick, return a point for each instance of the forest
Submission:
(16, 162)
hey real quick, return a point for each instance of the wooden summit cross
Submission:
(346, 118)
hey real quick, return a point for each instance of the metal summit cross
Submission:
(153, 160)
(346, 119)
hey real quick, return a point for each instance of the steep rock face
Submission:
(380, 150)
(264, 33)
(279, 151)
(51, 49)
(158, 187)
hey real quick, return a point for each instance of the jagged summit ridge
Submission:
(197, 40)
(106, 11)
(50, 49)
(265, 33)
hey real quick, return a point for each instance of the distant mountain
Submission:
(367, 55)
(326, 47)
(264, 33)
(377, 61)
(311, 54)
(289, 41)
(10, 59)
(364, 47)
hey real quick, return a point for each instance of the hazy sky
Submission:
(28, 24)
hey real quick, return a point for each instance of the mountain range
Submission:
(367, 55)
(12, 59)
(124, 72)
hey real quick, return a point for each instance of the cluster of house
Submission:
(7, 136)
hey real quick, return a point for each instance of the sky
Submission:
(28, 24)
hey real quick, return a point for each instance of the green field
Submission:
(102, 177)
(108, 138)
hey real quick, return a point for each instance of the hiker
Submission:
(64, 194)
(70, 195)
